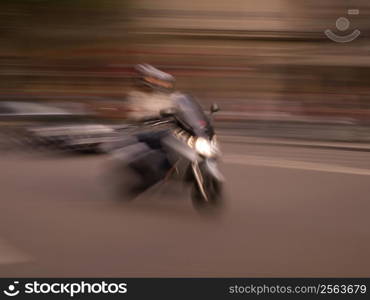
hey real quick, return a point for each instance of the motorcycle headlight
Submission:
(204, 147)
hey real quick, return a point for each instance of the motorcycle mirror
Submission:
(214, 108)
(167, 112)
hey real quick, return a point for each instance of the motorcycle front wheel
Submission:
(214, 199)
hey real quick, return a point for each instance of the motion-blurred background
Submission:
(294, 128)
(261, 60)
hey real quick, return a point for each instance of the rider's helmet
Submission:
(153, 78)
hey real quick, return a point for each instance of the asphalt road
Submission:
(290, 212)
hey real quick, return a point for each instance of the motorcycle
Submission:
(181, 144)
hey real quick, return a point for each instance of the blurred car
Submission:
(53, 127)
(75, 137)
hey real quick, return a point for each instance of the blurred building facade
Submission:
(258, 59)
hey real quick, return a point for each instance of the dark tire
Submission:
(214, 193)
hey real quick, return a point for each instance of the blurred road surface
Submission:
(291, 212)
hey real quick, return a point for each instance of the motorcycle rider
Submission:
(154, 151)
(154, 92)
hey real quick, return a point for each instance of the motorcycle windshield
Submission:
(191, 115)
